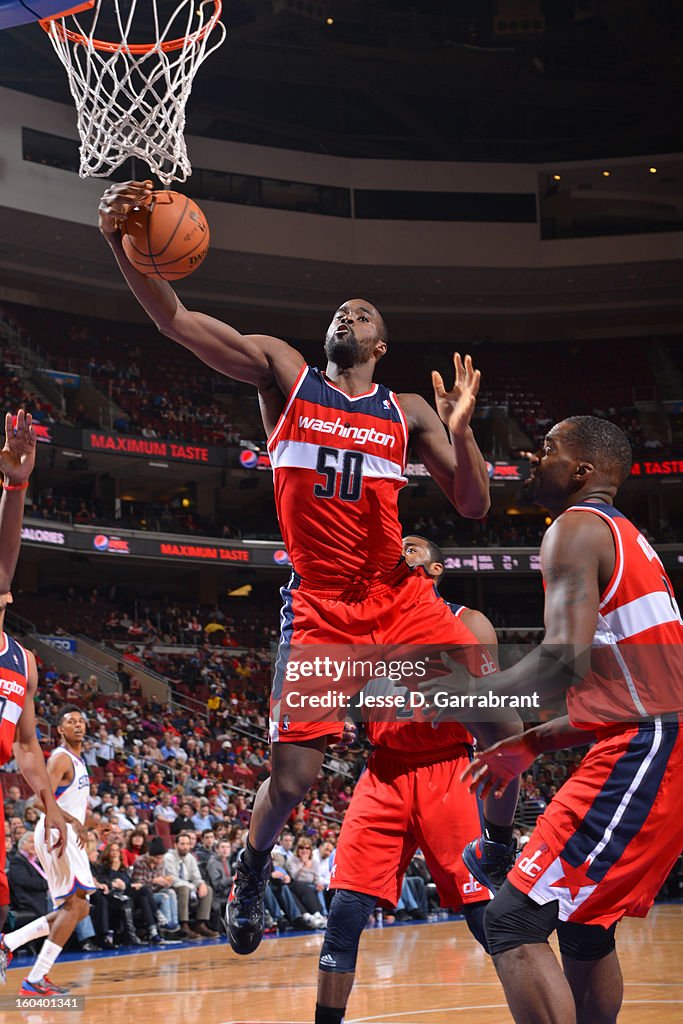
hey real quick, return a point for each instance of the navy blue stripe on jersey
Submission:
(286, 630)
(315, 389)
(616, 788)
(14, 658)
(608, 510)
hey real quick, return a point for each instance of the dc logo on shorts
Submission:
(285, 723)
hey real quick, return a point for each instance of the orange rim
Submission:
(136, 48)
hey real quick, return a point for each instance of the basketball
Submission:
(168, 237)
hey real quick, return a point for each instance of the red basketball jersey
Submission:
(13, 687)
(412, 734)
(338, 464)
(636, 667)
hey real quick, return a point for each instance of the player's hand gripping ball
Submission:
(167, 236)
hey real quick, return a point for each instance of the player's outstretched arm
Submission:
(17, 460)
(255, 358)
(494, 769)
(459, 467)
(31, 763)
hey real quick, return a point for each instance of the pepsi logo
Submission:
(248, 459)
(281, 558)
(113, 545)
(490, 470)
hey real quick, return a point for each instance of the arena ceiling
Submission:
(524, 80)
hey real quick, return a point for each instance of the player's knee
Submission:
(474, 916)
(512, 919)
(349, 913)
(289, 787)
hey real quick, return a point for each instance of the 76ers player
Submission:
(610, 836)
(69, 877)
(18, 674)
(338, 445)
(409, 795)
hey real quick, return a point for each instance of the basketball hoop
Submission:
(131, 96)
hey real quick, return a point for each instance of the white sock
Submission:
(33, 930)
(45, 961)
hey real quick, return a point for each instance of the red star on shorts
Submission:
(574, 879)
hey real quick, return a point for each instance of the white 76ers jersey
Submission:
(74, 798)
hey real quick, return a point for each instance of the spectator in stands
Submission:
(219, 874)
(89, 753)
(103, 748)
(164, 809)
(183, 821)
(31, 818)
(322, 858)
(204, 849)
(285, 847)
(189, 886)
(203, 819)
(109, 871)
(148, 869)
(27, 880)
(14, 797)
(136, 844)
(306, 882)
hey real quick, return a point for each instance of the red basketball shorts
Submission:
(402, 612)
(608, 840)
(397, 808)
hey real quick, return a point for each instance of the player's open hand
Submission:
(455, 407)
(18, 456)
(55, 830)
(449, 696)
(347, 739)
(118, 201)
(494, 769)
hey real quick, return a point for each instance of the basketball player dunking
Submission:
(608, 839)
(69, 878)
(18, 672)
(338, 445)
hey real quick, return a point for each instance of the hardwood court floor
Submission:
(424, 974)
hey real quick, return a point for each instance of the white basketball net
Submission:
(131, 103)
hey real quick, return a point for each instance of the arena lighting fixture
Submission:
(73, 455)
(158, 465)
(653, 170)
(606, 174)
(557, 177)
(329, 21)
